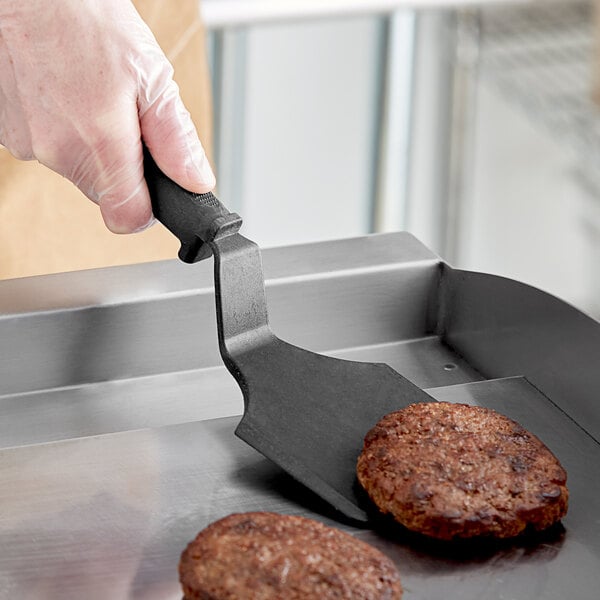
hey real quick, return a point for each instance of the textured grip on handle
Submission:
(196, 219)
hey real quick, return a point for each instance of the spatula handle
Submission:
(195, 219)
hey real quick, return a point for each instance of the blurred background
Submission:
(472, 125)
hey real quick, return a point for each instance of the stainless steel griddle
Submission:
(117, 420)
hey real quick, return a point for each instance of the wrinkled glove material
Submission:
(82, 82)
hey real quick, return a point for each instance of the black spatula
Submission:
(306, 412)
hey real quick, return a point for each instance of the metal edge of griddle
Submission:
(109, 324)
(504, 328)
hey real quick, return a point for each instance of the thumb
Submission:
(168, 131)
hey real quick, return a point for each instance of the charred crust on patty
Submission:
(458, 471)
(268, 556)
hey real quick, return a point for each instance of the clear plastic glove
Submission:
(81, 83)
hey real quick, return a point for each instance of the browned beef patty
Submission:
(453, 470)
(268, 556)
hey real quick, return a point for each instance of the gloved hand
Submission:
(81, 81)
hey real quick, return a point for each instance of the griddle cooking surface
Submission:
(108, 516)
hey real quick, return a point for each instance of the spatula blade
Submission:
(309, 414)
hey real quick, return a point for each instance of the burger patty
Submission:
(268, 556)
(456, 471)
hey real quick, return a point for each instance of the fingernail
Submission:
(199, 168)
(124, 213)
(146, 226)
